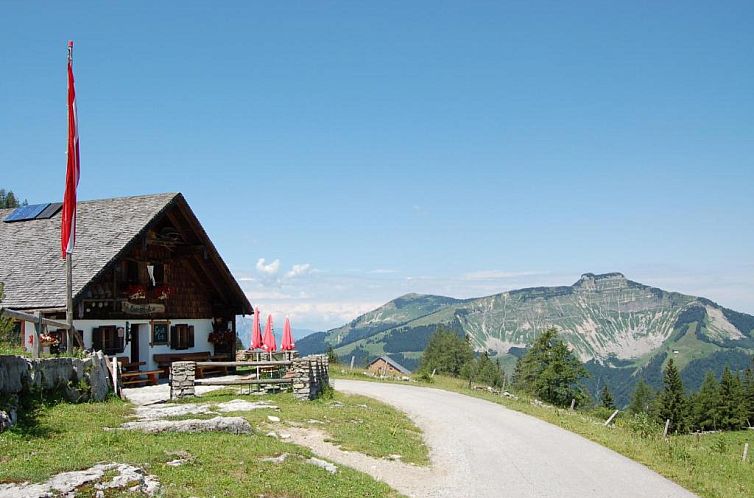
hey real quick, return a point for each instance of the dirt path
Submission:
(481, 449)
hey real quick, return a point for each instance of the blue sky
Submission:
(365, 150)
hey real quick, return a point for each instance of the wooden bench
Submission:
(165, 360)
(140, 377)
(202, 369)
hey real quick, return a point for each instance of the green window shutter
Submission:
(190, 336)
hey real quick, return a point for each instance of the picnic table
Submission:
(131, 373)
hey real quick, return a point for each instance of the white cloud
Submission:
(268, 269)
(297, 270)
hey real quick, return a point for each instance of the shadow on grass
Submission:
(30, 407)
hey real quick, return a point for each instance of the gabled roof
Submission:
(393, 364)
(33, 273)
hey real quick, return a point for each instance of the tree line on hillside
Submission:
(449, 353)
(551, 372)
(724, 404)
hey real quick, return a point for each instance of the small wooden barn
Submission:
(147, 279)
(384, 365)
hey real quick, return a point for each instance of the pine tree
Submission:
(706, 404)
(9, 200)
(332, 358)
(484, 370)
(732, 409)
(606, 398)
(550, 371)
(748, 388)
(641, 399)
(446, 352)
(672, 403)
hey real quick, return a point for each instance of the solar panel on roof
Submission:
(49, 211)
(25, 213)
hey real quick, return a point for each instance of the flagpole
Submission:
(69, 267)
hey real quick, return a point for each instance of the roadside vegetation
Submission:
(548, 378)
(63, 437)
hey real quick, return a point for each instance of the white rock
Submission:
(277, 459)
(239, 405)
(67, 483)
(234, 425)
(323, 464)
(273, 418)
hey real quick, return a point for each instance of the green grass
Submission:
(709, 465)
(355, 423)
(66, 437)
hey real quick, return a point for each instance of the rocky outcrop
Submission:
(87, 376)
(233, 425)
(126, 478)
(76, 379)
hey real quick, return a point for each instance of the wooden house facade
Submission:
(386, 366)
(147, 279)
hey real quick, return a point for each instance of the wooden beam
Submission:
(20, 315)
(218, 382)
(243, 363)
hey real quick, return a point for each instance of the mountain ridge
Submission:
(608, 320)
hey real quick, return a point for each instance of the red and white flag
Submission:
(68, 224)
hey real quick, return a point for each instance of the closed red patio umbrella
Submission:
(269, 343)
(256, 334)
(288, 344)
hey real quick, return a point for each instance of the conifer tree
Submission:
(550, 371)
(447, 352)
(606, 398)
(706, 404)
(732, 409)
(747, 385)
(641, 399)
(671, 403)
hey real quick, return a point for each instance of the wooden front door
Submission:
(134, 343)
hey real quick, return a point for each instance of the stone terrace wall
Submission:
(312, 374)
(75, 378)
(182, 376)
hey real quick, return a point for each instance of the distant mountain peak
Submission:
(591, 281)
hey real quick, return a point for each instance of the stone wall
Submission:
(76, 379)
(312, 374)
(182, 377)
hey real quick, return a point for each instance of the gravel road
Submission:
(480, 449)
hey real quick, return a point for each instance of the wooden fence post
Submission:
(353, 358)
(665, 432)
(434, 370)
(746, 452)
(573, 403)
(115, 375)
(607, 422)
(35, 348)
